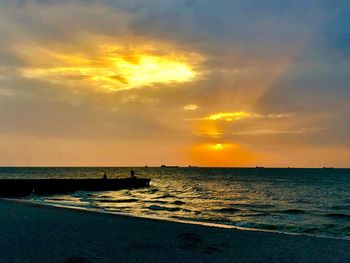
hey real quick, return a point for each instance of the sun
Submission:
(217, 146)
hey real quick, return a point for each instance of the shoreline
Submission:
(170, 220)
(45, 233)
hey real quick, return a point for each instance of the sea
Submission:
(289, 200)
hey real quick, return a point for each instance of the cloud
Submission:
(113, 66)
(230, 116)
(190, 107)
(241, 115)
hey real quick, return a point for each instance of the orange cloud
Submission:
(191, 107)
(240, 115)
(109, 66)
(230, 116)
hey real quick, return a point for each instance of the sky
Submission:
(176, 82)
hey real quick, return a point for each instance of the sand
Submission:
(36, 233)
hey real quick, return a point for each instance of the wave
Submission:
(82, 194)
(163, 208)
(130, 200)
(258, 226)
(227, 210)
(340, 207)
(291, 211)
(164, 196)
(204, 220)
(311, 230)
(252, 215)
(301, 201)
(57, 199)
(198, 189)
(152, 191)
(338, 215)
(254, 206)
(156, 201)
(178, 202)
(113, 208)
(279, 228)
(346, 229)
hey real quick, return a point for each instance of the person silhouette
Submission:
(104, 176)
(132, 174)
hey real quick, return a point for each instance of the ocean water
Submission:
(307, 201)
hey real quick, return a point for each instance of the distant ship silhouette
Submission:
(169, 166)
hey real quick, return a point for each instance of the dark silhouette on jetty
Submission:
(25, 187)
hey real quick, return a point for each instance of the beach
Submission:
(39, 233)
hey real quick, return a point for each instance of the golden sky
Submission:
(209, 83)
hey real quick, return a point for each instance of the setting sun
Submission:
(218, 146)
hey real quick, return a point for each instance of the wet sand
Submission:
(37, 233)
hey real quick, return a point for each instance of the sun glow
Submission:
(221, 154)
(111, 68)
